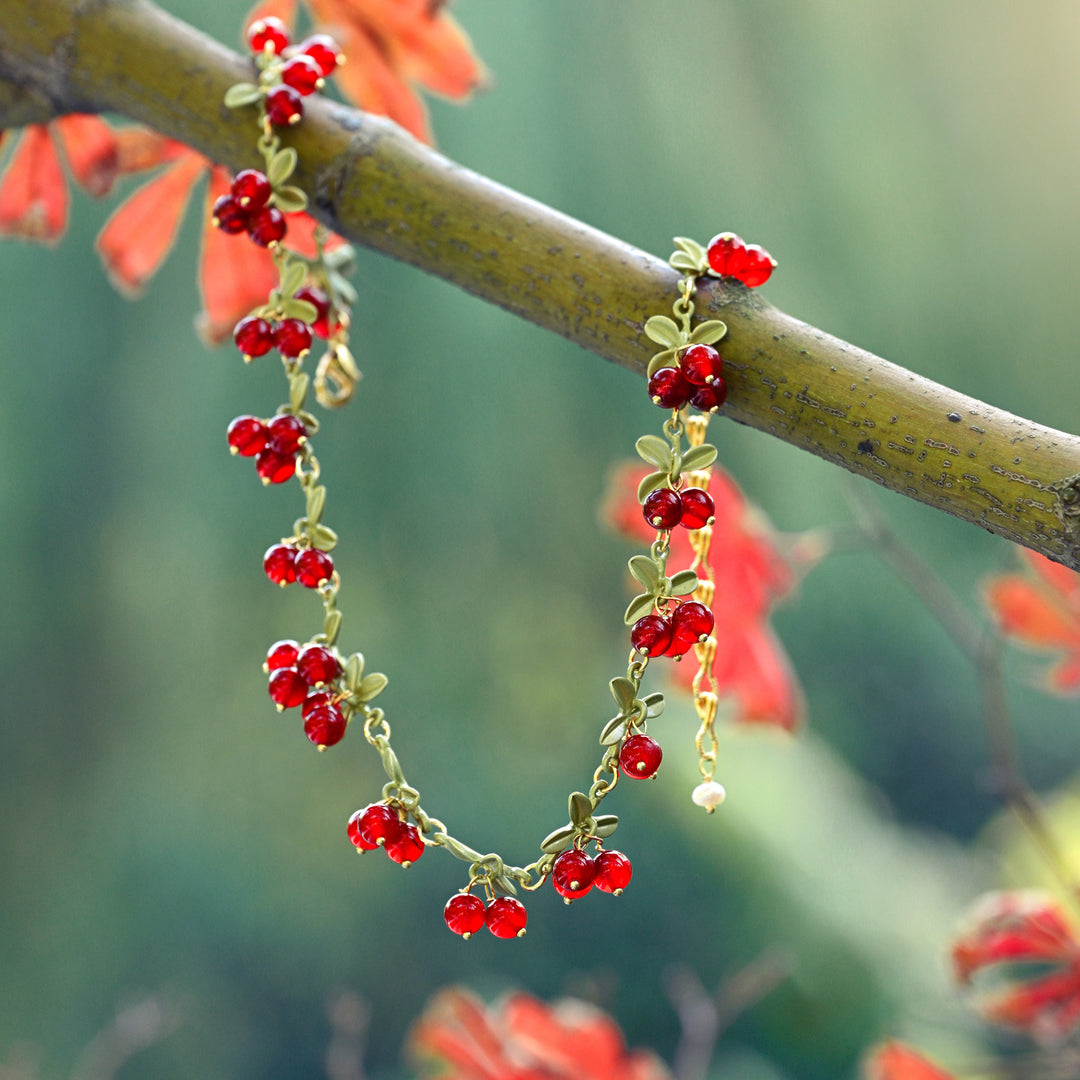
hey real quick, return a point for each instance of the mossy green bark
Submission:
(374, 184)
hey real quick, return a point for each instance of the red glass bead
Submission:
(229, 216)
(640, 757)
(303, 74)
(279, 562)
(275, 468)
(285, 433)
(709, 398)
(506, 917)
(372, 826)
(726, 253)
(247, 436)
(287, 687)
(757, 267)
(281, 654)
(313, 567)
(692, 619)
(253, 336)
(663, 508)
(701, 364)
(325, 726)
(406, 845)
(613, 872)
(572, 874)
(464, 914)
(320, 326)
(251, 189)
(698, 509)
(315, 701)
(284, 106)
(269, 33)
(318, 665)
(292, 337)
(669, 389)
(651, 635)
(324, 50)
(267, 226)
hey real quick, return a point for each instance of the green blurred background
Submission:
(913, 166)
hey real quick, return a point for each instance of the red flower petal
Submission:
(142, 230)
(1025, 611)
(895, 1061)
(1047, 1008)
(1005, 927)
(91, 150)
(235, 275)
(33, 191)
(139, 149)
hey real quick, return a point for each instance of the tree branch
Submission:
(374, 184)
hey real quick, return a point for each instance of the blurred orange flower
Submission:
(895, 1061)
(751, 576)
(392, 46)
(523, 1039)
(33, 191)
(1041, 609)
(1023, 928)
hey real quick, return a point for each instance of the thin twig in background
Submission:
(132, 1030)
(704, 1017)
(349, 1016)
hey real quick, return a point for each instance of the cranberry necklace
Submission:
(333, 690)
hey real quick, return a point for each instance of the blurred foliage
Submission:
(912, 167)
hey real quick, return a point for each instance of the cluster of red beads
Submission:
(675, 633)
(505, 917)
(665, 508)
(575, 872)
(246, 208)
(379, 825)
(274, 444)
(285, 563)
(304, 675)
(697, 381)
(256, 336)
(729, 256)
(306, 66)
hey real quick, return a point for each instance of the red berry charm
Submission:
(288, 688)
(406, 845)
(313, 567)
(253, 337)
(698, 509)
(693, 620)
(323, 49)
(251, 189)
(669, 389)
(228, 215)
(758, 266)
(281, 654)
(506, 917)
(640, 757)
(275, 468)
(709, 398)
(285, 433)
(613, 872)
(284, 106)
(464, 914)
(701, 365)
(292, 337)
(651, 635)
(302, 74)
(267, 227)
(373, 826)
(279, 563)
(572, 874)
(663, 509)
(246, 436)
(269, 35)
(726, 253)
(325, 726)
(318, 665)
